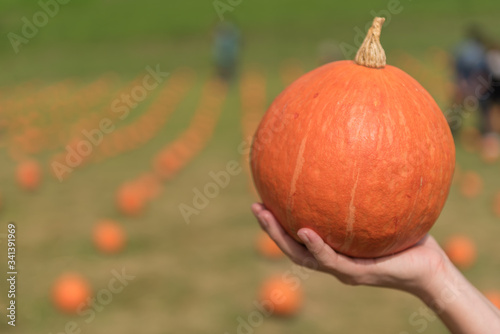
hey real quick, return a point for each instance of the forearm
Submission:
(461, 307)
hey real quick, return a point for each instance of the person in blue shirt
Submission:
(471, 74)
(226, 50)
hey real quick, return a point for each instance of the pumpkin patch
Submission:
(151, 152)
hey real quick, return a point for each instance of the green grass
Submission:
(199, 278)
(92, 37)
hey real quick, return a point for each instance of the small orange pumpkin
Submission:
(471, 184)
(29, 175)
(70, 293)
(131, 200)
(267, 247)
(490, 148)
(282, 296)
(494, 297)
(167, 163)
(461, 250)
(109, 236)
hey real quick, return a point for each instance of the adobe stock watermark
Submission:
(294, 278)
(210, 190)
(94, 305)
(393, 7)
(94, 137)
(222, 6)
(31, 28)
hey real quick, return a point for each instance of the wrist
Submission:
(442, 288)
(461, 307)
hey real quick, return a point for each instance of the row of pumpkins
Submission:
(109, 237)
(71, 290)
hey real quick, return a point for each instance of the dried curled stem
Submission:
(371, 53)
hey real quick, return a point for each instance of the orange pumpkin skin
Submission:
(362, 156)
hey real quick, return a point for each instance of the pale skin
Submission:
(423, 270)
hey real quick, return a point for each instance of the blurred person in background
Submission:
(492, 96)
(490, 102)
(226, 46)
(471, 71)
(422, 270)
(469, 62)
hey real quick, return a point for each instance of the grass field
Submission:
(203, 276)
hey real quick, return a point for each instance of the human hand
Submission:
(411, 270)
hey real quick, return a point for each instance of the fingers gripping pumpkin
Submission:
(359, 152)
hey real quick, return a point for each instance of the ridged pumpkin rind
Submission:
(362, 156)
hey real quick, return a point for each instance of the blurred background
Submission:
(124, 130)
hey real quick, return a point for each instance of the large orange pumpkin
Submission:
(357, 151)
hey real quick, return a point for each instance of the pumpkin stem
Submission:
(371, 53)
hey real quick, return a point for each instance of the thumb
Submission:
(323, 253)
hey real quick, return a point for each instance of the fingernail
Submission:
(254, 207)
(303, 236)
